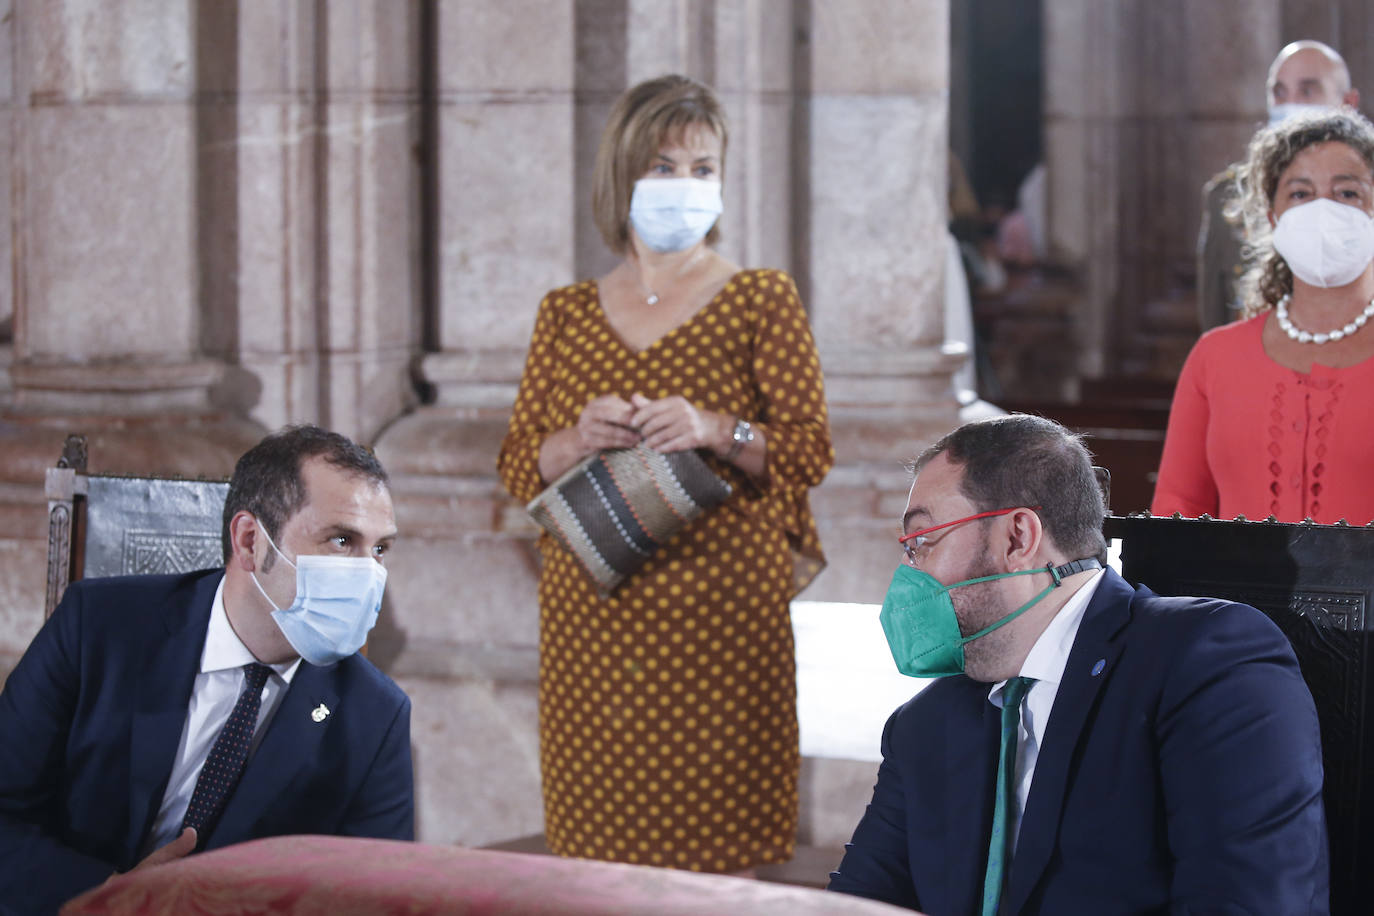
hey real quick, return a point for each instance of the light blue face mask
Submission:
(336, 605)
(1286, 110)
(673, 214)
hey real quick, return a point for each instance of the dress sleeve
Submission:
(792, 414)
(1185, 482)
(518, 463)
(787, 374)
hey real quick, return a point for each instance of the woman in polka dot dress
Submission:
(667, 711)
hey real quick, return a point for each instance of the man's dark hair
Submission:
(1023, 460)
(267, 479)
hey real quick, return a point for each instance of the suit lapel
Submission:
(169, 674)
(290, 747)
(1096, 642)
(971, 774)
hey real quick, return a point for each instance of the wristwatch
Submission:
(743, 434)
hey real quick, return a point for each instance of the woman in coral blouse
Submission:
(1271, 415)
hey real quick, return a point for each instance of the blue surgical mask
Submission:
(922, 628)
(336, 605)
(1285, 110)
(673, 214)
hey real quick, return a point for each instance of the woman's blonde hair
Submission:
(642, 119)
(1273, 150)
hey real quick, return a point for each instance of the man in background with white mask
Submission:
(1090, 747)
(1306, 75)
(154, 716)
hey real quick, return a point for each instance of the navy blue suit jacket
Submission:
(91, 717)
(1184, 777)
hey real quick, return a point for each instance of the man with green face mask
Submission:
(1090, 747)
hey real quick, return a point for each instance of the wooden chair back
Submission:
(110, 525)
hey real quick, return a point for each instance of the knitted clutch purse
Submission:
(615, 508)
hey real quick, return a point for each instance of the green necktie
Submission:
(1000, 846)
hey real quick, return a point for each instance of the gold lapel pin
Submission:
(320, 713)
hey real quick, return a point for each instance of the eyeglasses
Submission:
(917, 539)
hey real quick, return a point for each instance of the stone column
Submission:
(1143, 103)
(752, 48)
(868, 203)
(464, 612)
(372, 223)
(106, 291)
(310, 207)
(217, 222)
(107, 325)
(871, 255)
(1082, 105)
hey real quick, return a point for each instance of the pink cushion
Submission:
(339, 876)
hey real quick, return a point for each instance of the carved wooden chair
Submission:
(109, 525)
(1317, 583)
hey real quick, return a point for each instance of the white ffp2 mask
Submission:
(1325, 243)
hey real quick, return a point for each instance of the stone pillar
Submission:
(751, 47)
(310, 207)
(106, 323)
(869, 212)
(217, 222)
(871, 255)
(1143, 103)
(106, 318)
(464, 613)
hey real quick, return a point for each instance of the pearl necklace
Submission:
(1308, 337)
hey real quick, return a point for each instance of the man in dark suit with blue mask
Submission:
(1090, 747)
(154, 716)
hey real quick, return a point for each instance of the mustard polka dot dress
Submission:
(667, 711)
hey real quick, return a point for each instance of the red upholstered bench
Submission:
(340, 876)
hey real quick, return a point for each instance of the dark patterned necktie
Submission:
(1000, 848)
(224, 765)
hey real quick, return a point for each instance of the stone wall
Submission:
(231, 216)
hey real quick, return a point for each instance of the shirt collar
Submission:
(1050, 654)
(223, 648)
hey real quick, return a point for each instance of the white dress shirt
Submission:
(1045, 663)
(216, 690)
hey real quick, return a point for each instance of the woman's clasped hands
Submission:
(668, 424)
(607, 422)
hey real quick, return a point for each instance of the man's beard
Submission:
(980, 606)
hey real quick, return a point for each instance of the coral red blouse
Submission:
(1250, 437)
